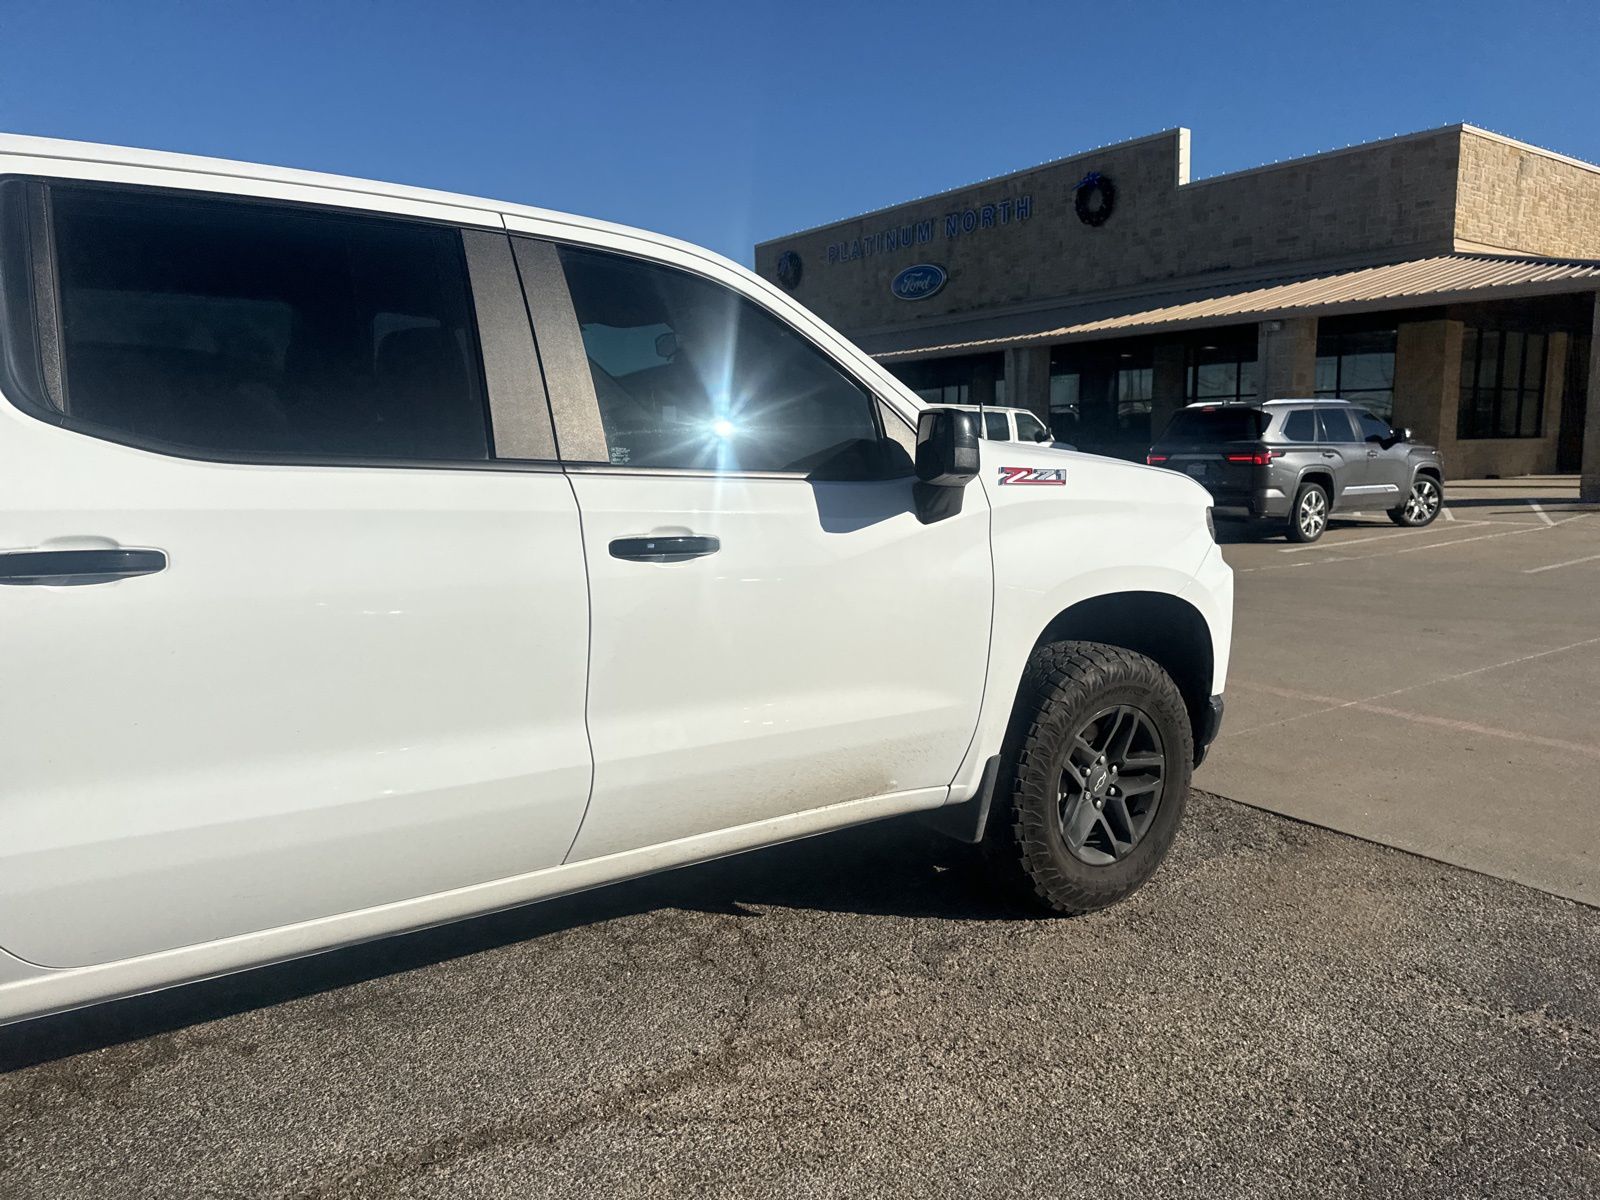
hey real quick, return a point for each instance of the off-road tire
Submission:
(1064, 685)
(1300, 528)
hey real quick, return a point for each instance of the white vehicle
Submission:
(372, 557)
(1000, 424)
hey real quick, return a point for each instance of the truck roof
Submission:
(990, 408)
(43, 149)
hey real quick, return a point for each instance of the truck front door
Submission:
(763, 595)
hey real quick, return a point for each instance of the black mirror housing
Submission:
(947, 460)
(947, 447)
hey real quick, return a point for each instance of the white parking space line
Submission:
(1543, 516)
(1480, 537)
(1334, 705)
(1571, 562)
(1448, 515)
(1477, 537)
(1377, 537)
(1420, 719)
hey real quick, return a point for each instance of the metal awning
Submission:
(1422, 282)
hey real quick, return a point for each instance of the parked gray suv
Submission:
(1296, 461)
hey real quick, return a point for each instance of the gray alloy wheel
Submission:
(1310, 516)
(1421, 506)
(1112, 780)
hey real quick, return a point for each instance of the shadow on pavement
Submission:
(897, 867)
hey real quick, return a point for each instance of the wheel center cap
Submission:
(1098, 779)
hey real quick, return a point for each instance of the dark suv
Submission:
(1296, 461)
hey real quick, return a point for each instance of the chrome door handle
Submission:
(62, 568)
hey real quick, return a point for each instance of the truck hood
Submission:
(1013, 470)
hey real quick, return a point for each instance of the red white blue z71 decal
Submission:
(1049, 476)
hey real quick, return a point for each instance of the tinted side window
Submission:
(995, 428)
(266, 330)
(1300, 426)
(688, 374)
(1031, 429)
(1372, 427)
(1336, 426)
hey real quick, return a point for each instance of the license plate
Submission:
(1198, 470)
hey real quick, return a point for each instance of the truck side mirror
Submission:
(947, 447)
(947, 460)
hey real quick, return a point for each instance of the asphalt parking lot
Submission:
(1285, 1011)
(1433, 689)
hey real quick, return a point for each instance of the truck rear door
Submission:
(284, 637)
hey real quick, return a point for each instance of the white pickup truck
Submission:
(371, 557)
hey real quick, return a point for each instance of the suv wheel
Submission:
(1094, 776)
(1422, 506)
(1310, 515)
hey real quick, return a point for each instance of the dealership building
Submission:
(1447, 280)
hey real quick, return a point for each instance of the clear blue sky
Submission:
(730, 123)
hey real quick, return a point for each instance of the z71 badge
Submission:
(1050, 476)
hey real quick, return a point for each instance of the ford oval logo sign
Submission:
(919, 282)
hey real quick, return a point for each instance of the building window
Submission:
(1135, 386)
(1066, 399)
(1358, 366)
(1100, 397)
(1223, 373)
(969, 379)
(1502, 384)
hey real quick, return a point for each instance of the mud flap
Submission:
(966, 821)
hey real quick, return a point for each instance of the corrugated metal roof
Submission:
(1449, 278)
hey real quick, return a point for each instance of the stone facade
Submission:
(1286, 357)
(1518, 198)
(1370, 203)
(1014, 248)
(1427, 379)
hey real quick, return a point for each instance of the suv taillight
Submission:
(1154, 460)
(1261, 458)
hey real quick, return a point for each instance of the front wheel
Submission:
(1310, 514)
(1422, 505)
(1094, 776)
